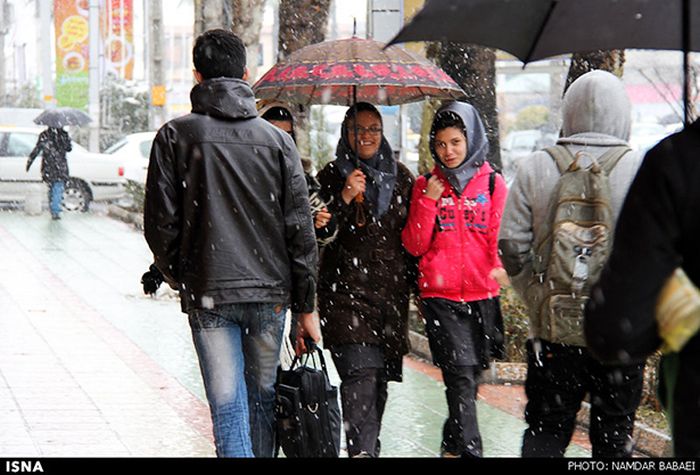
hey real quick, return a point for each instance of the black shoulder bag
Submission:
(307, 414)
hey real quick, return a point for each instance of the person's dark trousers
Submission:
(460, 433)
(454, 335)
(685, 408)
(558, 378)
(363, 393)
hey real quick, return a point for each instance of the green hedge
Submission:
(137, 193)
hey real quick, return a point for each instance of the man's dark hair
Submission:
(219, 53)
(279, 114)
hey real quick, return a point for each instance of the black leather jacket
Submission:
(227, 210)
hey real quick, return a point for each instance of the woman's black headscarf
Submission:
(380, 170)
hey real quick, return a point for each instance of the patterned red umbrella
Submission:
(343, 72)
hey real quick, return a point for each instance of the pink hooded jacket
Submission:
(456, 237)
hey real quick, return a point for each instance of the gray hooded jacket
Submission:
(596, 114)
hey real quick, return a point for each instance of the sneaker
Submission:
(361, 455)
(55, 217)
(449, 455)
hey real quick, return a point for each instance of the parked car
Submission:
(93, 176)
(519, 144)
(133, 151)
(644, 135)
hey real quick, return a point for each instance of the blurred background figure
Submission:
(279, 115)
(52, 145)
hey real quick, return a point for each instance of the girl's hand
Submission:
(435, 188)
(500, 275)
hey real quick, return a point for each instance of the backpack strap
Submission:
(562, 157)
(612, 157)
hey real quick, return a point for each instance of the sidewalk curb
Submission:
(116, 211)
(648, 441)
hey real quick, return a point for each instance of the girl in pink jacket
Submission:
(453, 228)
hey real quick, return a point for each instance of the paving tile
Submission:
(26, 450)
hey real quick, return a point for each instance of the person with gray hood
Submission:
(227, 217)
(595, 130)
(453, 229)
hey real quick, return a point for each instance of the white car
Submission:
(644, 135)
(93, 176)
(519, 144)
(133, 151)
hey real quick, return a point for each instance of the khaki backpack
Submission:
(574, 247)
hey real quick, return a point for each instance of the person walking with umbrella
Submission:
(366, 276)
(52, 145)
(453, 228)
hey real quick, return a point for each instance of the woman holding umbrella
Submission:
(366, 276)
(53, 144)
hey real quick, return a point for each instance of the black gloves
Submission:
(151, 280)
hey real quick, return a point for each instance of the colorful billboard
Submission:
(118, 37)
(72, 56)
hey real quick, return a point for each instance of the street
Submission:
(91, 367)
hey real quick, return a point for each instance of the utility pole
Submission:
(156, 71)
(47, 86)
(94, 75)
(4, 28)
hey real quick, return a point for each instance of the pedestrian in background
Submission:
(279, 115)
(657, 232)
(366, 275)
(227, 218)
(591, 158)
(52, 145)
(453, 228)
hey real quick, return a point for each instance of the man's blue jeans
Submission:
(56, 197)
(238, 346)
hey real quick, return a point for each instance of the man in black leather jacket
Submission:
(227, 218)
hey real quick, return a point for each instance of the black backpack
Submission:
(307, 414)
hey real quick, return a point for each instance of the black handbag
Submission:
(307, 414)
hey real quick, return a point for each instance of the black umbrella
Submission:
(535, 29)
(61, 117)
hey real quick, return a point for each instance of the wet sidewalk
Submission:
(90, 367)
